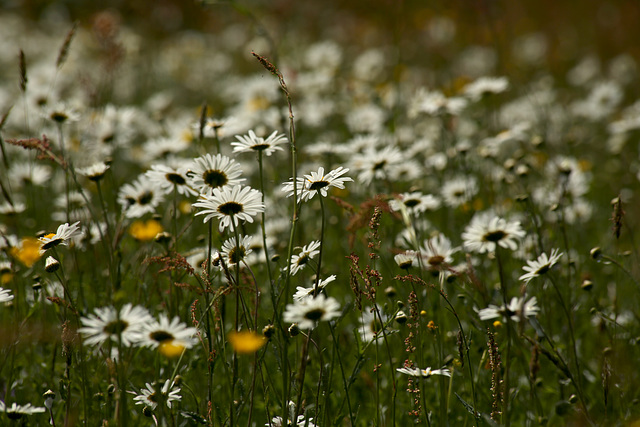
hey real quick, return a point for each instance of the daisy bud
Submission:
(268, 331)
(573, 399)
(595, 252)
(49, 397)
(177, 381)
(147, 411)
(401, 317)
(163, 237)
(390, 292)
(51, 265)
(587, 285)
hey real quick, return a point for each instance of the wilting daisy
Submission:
(154, 395)
(299, 261)
(516, 308)
(140, 197)
(214, 172)
(541, 265)
(252, 143)
(317, 182)
(15, 411)
(167, 179)
(428, 372)
(108, 324)
(5, 295)
(154, 333)
(303, 293)
(487, 231)
(62, 236)
(415, 202)
(309, 311)
(230, 204)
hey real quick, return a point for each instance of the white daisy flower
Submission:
(460, 190)
(309, 311)
(317, 182)
(425, 373)
(377, 164)
(5, 295)
(94, 172)
(541, 265)
(299, 261)
(167, 179)
(370, 326)
(211, 172)
(164, 331)
(230, 204)
(415, 202)
(437, 251)
(62, 236)
(486, 232)
(406, 260)
(140, 197)
(154, 395)
(233, 252)
(303, 293)
(516, 308)
(16, 412)
(252, 143)
(108, 324)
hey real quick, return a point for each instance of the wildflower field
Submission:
(319, 214)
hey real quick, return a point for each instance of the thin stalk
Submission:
(507, 364)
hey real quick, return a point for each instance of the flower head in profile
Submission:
(5, 295)
(303, 293)
(309, 311)
(230, 205)
(541, 265)
(317, 182)
(108, 323)
(516, 309)
(486, 232)
(300, 260)
(63, 234)
(16, 412)
(94, 172)
(155, 395)
(424, 373)
(214, 172)
(406, 260)
(252, 143)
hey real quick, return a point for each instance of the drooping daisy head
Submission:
(252, 143)
(230, 205)
(486, 232)
(309, 311)
(214, 172)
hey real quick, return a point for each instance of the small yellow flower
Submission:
(28, 252)
(497, 324)
(246, 342)
(171, 348)
(145, 231)
(6, 278)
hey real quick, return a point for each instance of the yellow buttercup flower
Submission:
(246, 342)
(171, 348)
(28, 252)
(145, 230)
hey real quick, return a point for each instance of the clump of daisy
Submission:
(317, 182)
(108, 323)
(309, 311)
(540, 266)
(230, 205)
(486, 232)
(252, 143)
